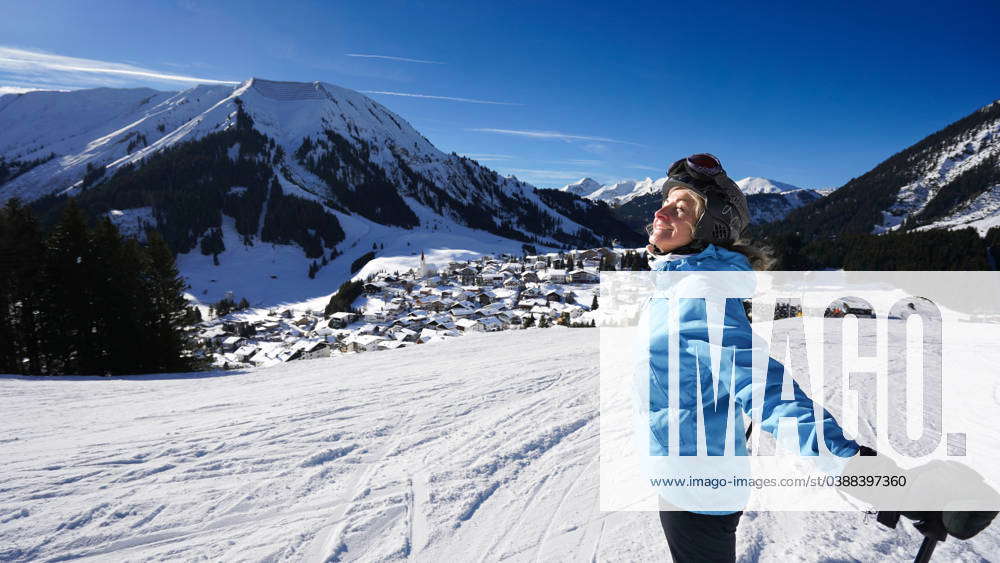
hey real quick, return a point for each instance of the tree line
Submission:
(84, 299)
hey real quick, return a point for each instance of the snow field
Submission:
(481, 448)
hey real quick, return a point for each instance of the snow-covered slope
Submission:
(753, 185)
(982, 213)
(959, 154)
(946, 179)
(582, 187)
(766, 207)
(482, 448)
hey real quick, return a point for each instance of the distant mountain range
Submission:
(634, 201)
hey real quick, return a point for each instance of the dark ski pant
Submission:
(700, 537)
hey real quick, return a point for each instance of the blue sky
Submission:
(803, 94)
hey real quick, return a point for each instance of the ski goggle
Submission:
(703, 164)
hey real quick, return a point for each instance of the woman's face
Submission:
(674, 222)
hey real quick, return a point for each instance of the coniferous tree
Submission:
(171, 344)
(67, 300)
(21, 252)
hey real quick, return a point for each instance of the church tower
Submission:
(423, 265)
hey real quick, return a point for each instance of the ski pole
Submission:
(926, 550)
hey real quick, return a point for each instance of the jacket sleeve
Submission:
(798, 406)
(734, 376)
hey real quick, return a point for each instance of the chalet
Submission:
(554, 275)
(429, 335)
(513, 283)
(341, 319)
(391, 344)
(529, 276)
(439, 305)
(365, 343)
(469, 325)
(538, 311)
(492, 324)
(214, 335)
(245, 352)
(489, 279)
(553, 295)
(231, 343)
(315, 349)
(583, 276)
(404, 334)
(467, 276)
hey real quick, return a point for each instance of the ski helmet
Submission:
(726, 213)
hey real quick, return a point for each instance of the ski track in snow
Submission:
(482, 448)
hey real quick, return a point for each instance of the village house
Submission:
(315, 349)
(554, 275)
(341, 319)
(231, 343)
(583, 276)
(467, 276)
(469, 325)
(492, 324)
(364, 342)
(244, 353)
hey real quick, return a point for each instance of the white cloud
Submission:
(554, 135)
(643, 167)
(401, 59)
(446, 98)
(17, 89)
(22, 67)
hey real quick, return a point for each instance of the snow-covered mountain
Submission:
(582, 187)
(313, 167)
(949, 179)
(767, 207)
(753, 185)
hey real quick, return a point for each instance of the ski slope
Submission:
(481, 448)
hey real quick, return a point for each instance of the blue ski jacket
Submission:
(700, 397)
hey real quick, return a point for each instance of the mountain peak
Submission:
(756, 185)
(582, 187)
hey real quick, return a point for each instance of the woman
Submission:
(698, 228)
